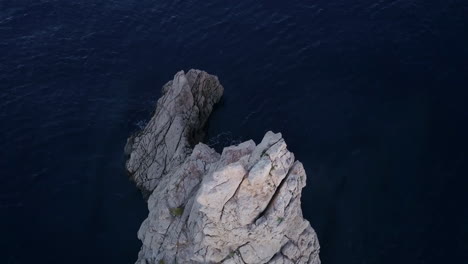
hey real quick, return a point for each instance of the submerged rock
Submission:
(240, 206)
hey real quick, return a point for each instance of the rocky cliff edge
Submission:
(240, 206)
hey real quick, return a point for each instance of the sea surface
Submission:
(371, 95)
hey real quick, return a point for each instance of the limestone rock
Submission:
(168, 138)
(240, 206)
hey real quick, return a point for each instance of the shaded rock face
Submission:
(240, 206)
(168, 138)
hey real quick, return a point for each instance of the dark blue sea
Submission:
(371, 95)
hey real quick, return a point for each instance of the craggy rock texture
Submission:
(181, 113)
(241, 206)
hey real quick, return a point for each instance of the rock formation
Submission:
(168, 138)
(240, 206)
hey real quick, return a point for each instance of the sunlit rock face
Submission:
(240, 206)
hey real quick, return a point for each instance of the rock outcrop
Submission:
(168, 138)
(240, 206)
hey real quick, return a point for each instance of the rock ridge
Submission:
(168, 138)
(240, 206)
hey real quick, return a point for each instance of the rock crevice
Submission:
(240, 206)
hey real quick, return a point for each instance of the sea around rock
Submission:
(240, 206)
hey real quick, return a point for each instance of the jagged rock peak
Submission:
(165, 142)
(240, 206)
